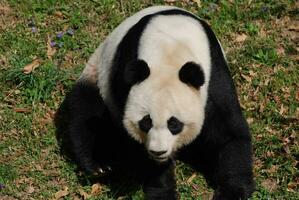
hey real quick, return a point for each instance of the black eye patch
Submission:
(174, 125)
(192, 74)
(145, 124)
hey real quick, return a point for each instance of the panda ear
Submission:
(192, 74)
(136, 72)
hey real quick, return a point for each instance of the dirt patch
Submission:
(270, 185)
(8, 18)
(7, 197)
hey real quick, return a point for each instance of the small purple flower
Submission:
(52, 43)
(60, 44)
(33, 29)
(2, 186)
(70, 31)
(59, 35)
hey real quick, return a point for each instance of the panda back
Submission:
(133, 39)
(99, 65)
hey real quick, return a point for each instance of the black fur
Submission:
(174, 125)
(222, 152)
(125, 54)
(136, 72)
(192, 74)
(145, 124)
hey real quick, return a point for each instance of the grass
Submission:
(259, 38)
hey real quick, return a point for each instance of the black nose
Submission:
(157, 153)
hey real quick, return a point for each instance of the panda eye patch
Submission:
(145, 124)
(174, 125)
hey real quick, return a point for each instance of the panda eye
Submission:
(174, 125)
(145, 124)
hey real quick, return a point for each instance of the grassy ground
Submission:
(259, 38)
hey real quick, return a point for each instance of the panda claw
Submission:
(101, 170)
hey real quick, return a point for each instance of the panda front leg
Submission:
(160, 183)
(233, 176)
(85, 109)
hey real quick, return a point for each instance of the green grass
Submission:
(264, 67)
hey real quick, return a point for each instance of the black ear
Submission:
(136, 72)
(192, 74)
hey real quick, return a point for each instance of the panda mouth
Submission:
(160, 159)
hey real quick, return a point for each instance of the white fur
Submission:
(224, 55)
(166, 45)
(103, 56)
(162, 100)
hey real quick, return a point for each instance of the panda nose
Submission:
(157, 153)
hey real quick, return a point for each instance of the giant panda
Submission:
(158, 90)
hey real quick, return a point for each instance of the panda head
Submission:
(164, 109)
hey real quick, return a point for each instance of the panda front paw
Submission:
(95, 168)
(102, 170)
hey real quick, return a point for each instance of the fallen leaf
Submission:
(283, 110)
(7, 197)
(190, 179)
(294, 26)
(256, 91)
(76, 198)
(250, 120)
(251, 73)
(247, 78)
(241, 37)
(273, 169)
(96, 189)
(292, 186)
(22, 110)
(170, 1)
(270, 185)
(84, 194)
(277, 99)
(287, 149)
(59, 14)
(269, 154)
(258, 164)
(267, 81)
(27, 69)
(262, 33)
(61, 193)
(280, 51)
(295, 57)
(262, 105)
(198, 2)
(297, 95)
(30, 189)
(68, 59)
(195, 187)
(50, 48)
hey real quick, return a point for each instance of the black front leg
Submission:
(234, 177)
(160, 182)
(78, 121)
